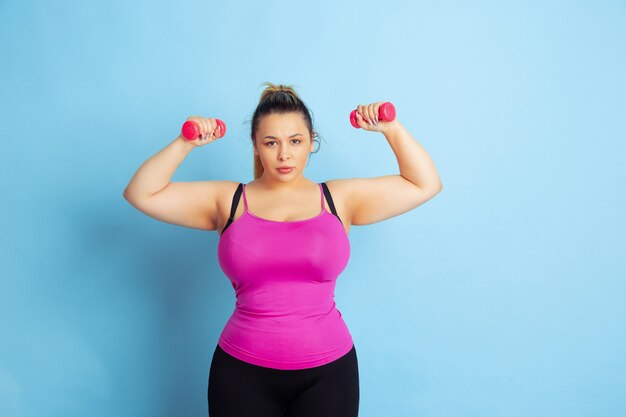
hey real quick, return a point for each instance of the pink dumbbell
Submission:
(191, 130)
(386, 113)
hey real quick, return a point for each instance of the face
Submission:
(289, 144)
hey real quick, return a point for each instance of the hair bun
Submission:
(277, 88)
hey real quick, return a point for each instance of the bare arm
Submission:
(380, 198)
(155, 174)
(190, 204)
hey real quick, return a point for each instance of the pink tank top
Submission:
(284, 276)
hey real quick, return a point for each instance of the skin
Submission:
(276, 196)
(285, 197)
(283, 150)
(288, 197)
(273, 195)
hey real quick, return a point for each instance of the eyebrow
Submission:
(292, 136)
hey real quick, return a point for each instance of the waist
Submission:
(286, 342)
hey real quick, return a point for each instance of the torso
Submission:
(301, 206)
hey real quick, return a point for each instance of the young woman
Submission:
(285, 351)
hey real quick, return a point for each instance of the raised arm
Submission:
(190, 204)
(372, 200)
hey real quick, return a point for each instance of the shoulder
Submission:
(224, 192)
(340, 191)
(226, 189)
(340, 185)
(340, 188)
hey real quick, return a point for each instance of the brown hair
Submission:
(278, 99)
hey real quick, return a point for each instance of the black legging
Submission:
(241, 389)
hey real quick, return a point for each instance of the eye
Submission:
(273, 141)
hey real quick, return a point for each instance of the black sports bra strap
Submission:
(233, 207)
(330, 200)
(237, 196)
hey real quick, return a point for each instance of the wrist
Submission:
(391, 127)
(183, 144)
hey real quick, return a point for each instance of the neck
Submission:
(273, 185)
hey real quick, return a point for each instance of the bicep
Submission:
(191, 204)
(380, 198)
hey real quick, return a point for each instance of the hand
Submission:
(209, 130)
(367, 117)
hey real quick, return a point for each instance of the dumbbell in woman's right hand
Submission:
(202, 130)
(386, 113)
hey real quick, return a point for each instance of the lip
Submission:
(284, 170)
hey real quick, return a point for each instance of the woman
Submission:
(285, 350)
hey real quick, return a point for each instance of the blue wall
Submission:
(502, 296)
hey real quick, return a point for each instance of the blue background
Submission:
(502, 296)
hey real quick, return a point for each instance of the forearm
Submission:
(155, 174)
(415, 164)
